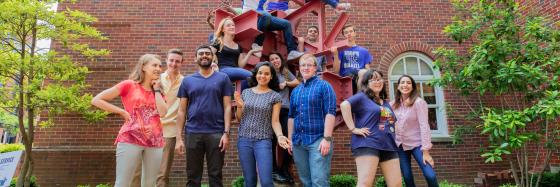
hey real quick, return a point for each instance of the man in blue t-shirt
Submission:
(205, 103)
(352, 61)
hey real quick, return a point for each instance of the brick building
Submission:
(399, 33)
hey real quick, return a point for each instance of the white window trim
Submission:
(442, 134)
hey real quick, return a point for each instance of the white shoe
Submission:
(294, 54)
(258, 47)
(343, 6)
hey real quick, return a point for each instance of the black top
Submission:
(227, 56)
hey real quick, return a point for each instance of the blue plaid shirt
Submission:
(310, 103)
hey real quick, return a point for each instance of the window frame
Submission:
(442, 132)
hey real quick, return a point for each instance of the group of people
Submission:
(281, 117)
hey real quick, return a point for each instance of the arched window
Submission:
(419, 67)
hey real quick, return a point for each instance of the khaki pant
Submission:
(131, 157)
(164, 169)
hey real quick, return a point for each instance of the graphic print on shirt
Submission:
(351, 59)
(138, 128)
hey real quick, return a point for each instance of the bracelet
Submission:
(157, 91)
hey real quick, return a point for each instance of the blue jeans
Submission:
(235, 73)
(267, 22)
(255, 154)
(313, 169)
(405, 162)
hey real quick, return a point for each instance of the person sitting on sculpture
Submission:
(231, 59)
(284, 5)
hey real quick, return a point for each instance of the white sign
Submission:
(8, 164)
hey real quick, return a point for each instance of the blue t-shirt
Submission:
(367, 114)
(205, 112)
(353, 59)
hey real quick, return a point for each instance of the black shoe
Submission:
(289, 179)
(279, 178)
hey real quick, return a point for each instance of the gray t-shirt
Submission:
(256, 122)
(285, 93)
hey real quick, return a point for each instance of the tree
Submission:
(35, 81)
(513, 56)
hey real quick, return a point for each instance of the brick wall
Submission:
(74, 152)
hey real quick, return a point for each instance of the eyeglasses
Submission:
(307, 65)
(375, 80)
(313, 31)
(205, 53)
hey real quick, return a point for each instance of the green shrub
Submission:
(380, 182)
(342, 180)
(445, 183)
(4, 148)
(550, 179)
(33, 182)
(508, 185)
(238, 182)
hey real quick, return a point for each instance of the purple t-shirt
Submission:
(353, 59)
(205, 113)
(368, 114)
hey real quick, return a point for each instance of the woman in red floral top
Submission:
(140, 139)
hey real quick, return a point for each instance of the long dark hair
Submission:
(368, 91)
(283, 70)
(398, 95)
(273, 84)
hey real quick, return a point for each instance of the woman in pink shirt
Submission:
(140, 139)
(413, 132)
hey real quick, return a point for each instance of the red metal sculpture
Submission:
(246, 31)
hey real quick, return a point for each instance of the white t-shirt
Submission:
(250, 5)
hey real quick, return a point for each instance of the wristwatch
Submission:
(157, 91)
(226, 132)
(328, 138)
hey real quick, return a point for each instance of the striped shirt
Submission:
(310, 103)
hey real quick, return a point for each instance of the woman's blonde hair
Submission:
(219, 34)
(137, 74)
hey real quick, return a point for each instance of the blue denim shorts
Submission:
(381, 154)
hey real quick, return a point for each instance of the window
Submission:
(419, 67)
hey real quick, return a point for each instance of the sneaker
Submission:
(257, 46)
(278, 178)
(343, 6)
(294, 55)
(289, 178)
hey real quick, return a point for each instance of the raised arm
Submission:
(244, 57)
(102, 99)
